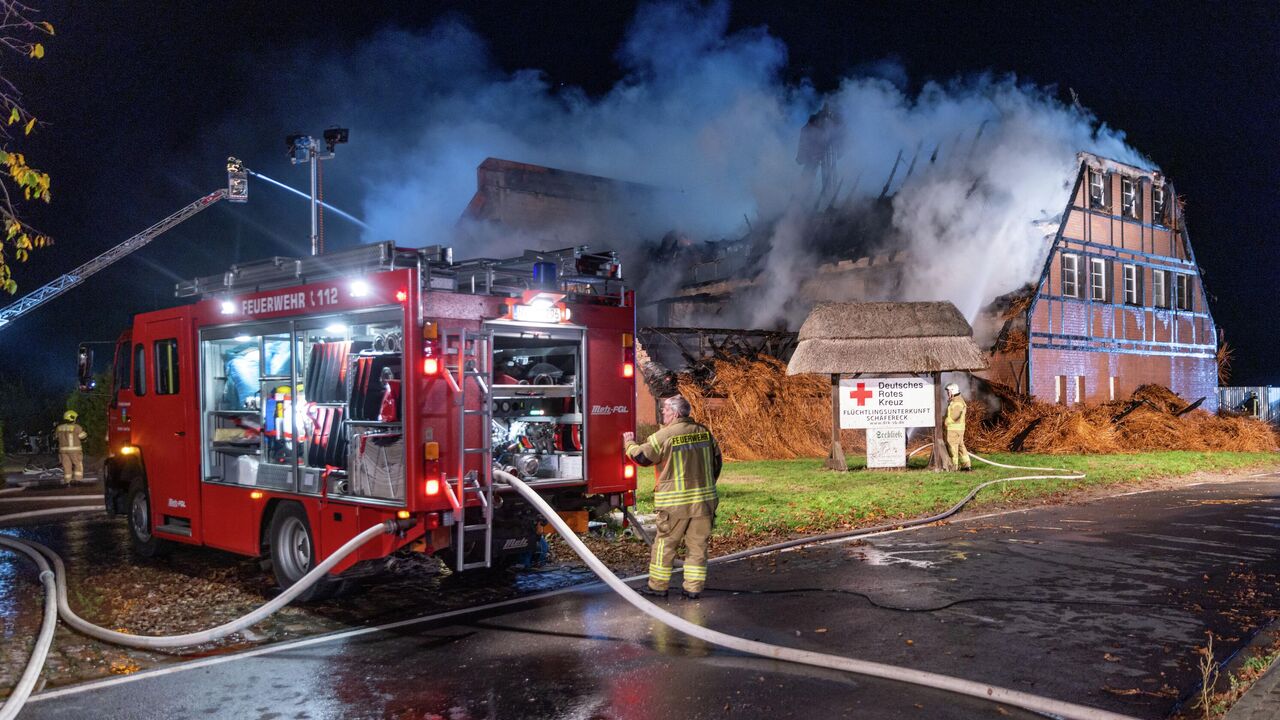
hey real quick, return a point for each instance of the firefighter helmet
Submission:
(70, 415)
(953, 389)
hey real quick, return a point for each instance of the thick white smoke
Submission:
(704, 115)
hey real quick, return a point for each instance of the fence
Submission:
(1237, 399)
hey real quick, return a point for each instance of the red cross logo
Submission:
(862, 394)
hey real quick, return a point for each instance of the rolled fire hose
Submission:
(1068, 711)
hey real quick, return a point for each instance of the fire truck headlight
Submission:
(256, 495)
(359, 288)
(227, 307)
(128, 450)
(403, 514)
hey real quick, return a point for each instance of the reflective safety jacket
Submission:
(688, 464)
(956, 410)
(69, 437)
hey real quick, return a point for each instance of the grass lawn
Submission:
(799, 496)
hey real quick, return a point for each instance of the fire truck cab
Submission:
(297, 402)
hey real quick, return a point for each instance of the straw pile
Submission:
(758, 412)
(1154, 424)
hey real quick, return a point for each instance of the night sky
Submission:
(144, 101)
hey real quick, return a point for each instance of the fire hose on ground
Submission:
(53, 577)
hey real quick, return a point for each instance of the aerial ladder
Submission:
(237, 190)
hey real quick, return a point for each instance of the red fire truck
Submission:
(297, 402)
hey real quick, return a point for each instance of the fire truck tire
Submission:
(145, 543)
(292, 549)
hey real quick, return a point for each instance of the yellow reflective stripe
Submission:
(663, 495)
(695, 572)
(659, 573)
(683, 497)
(677, 460)
(653, 443)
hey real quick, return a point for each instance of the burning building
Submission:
(1119, 302)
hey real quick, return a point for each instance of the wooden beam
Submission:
(836, 460)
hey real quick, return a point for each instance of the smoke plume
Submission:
(704, 116)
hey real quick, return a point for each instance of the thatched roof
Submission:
(885, 337)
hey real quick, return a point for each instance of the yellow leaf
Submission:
(30, 125)
(48, 27)
(21, 255)
(14, 116)
(37, 51)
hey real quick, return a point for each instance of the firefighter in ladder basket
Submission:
(688, 464)
(956, 410)
(70, 451)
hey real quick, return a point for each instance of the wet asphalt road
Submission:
(1101, 604)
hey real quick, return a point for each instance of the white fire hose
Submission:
(1068, 711)
(55, 590)
(55, 603)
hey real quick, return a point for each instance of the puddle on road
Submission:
(873, 555)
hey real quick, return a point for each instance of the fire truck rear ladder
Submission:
(472, 376)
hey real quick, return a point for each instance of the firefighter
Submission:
(1251, 404)
(955, 429)
(69, 451)
(688, 464)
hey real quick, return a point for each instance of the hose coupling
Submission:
(399, 525)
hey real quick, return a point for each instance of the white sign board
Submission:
(886, 447)
(885, 403)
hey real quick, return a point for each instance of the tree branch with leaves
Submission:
(20, 40)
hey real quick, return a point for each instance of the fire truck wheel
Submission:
(293, 552)
(145, 543)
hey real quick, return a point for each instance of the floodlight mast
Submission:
(305, 149)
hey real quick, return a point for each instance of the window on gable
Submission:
(1132, 285)
(1098, 276)
(1159, 205)
(1097, 189)
(1129, 203)
(1159, 288)
(1182, 295)
(1070, 275)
